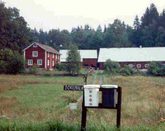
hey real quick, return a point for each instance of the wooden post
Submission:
(83, 115)
(85, 78)
(118, 119)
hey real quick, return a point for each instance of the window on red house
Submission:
(39, 62)
(30, 62)
(35, 53)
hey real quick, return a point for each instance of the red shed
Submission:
(88, 57)
(41, 55)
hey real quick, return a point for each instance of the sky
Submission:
(66, 14)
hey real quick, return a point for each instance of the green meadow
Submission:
(35, 102)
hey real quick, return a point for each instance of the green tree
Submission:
(56, 38)
(96, 40)
(73, 60)
(116, 35)
(149, 26)
(14, 33)
(162, 19)
(11, 62)
(136, 38)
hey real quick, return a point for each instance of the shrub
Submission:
(11, 62)
(61, 67)
(127, 71)
(111, 67)
(33, 69)
(156, 69)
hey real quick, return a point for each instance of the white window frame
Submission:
(53, 56)
(146, 65)
(39, 61)
(35, 53)
(131, 65)
(138, 66)
(48, 62)
(30, 62)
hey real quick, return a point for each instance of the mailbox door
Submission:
(91, 97)
(109, 97)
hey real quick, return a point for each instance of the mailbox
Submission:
(109, 95)
(91, 95)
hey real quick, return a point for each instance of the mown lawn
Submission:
(29, 102)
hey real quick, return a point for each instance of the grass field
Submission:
(39, 103)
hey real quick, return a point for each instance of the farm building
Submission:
(134, 57)
(41, 55)
(88, 57)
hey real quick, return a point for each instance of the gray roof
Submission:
(132, 54)
(45, 47)
(88, 54)
(48, 48)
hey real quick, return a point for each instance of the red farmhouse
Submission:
(41, 55)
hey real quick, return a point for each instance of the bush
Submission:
(11, 62)
(127, 71)
(156, 69)
(33, 69)
(111, 67)
(61, 67)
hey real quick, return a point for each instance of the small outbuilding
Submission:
(134, 57)
(88, 57)
(41, 55)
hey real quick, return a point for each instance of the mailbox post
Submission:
(111, 99)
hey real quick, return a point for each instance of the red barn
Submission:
(88, 57)
(41, 55)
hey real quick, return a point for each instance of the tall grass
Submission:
(29, 102)
(61, 126)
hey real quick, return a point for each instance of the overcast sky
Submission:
(65, 14)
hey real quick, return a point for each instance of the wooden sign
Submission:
(73, 87)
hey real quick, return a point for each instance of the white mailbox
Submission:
(91, 94)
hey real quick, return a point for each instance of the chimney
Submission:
(140, 46)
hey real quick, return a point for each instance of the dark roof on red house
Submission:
(45, 47)
(48, 48)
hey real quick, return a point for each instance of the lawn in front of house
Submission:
(36, 100)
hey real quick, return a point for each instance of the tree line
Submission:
(147, 31)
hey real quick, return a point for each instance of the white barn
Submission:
(134, 57)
